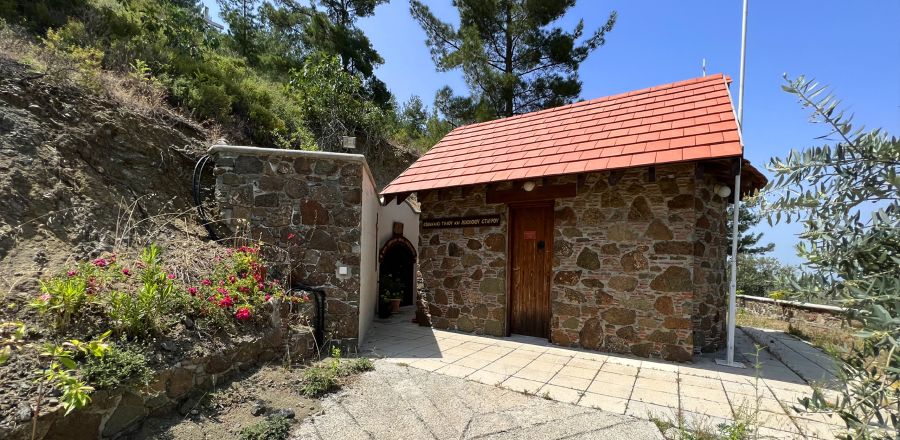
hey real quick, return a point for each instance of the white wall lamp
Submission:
(722, 191)
(528, 186)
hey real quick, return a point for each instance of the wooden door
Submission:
(531, 262)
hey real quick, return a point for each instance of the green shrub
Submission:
(117, 367)
(318, 381)
(272, 428)
(355, 366)
(209, 100)
(144, 311)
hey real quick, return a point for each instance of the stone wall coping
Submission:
(796, 304)
(259, 151)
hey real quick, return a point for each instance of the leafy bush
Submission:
(120, 366)
(356, 366)
(847, 197)
(318, 380)
(145, 310)
(272, 428)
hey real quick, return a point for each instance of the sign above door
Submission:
(462, 222)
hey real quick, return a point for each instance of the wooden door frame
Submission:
(551, 204)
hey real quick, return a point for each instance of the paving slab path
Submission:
(701, 392)
(400, 402)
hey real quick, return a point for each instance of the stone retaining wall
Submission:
(115, 413)
(792, 311)
(308, 205)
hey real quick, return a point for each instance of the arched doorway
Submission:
(397, 268)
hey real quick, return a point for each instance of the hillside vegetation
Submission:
(285, 76)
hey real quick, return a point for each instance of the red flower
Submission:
(72, 273)
(171, 276)
(291, 236)
(258, 277)
(226, 302)
(192, 291)
(242, 314)
(232, 279)
(206, 282)
(268, 297)
(260, 286)
(211, 299)
(126, 271)
(100, 262)
(222, 290)
(244, 289)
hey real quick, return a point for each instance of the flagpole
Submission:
(732, 285)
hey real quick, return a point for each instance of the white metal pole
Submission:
(732, 286)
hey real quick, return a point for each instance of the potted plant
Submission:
(394, 300)
(391, 293)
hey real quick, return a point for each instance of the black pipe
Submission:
(319, 324)
(198, 197)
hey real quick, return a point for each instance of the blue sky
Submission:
(852, 46)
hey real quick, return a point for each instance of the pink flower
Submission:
(231, 279)
(291, 236)
(100, 262)
(268, 297)
(242, 314)
(222, 290)
(126, 271)
(72, 273)
(44, 298)
(227, 302)
(260, 286)
(211, 299)
(171, 276)
(192, 291)
(206, 282)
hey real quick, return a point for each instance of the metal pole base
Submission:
(734, 364)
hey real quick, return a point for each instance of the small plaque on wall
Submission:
(461, 222)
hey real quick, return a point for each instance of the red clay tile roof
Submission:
(682, 121)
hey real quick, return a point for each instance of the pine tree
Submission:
(513, 59)
(748, 217)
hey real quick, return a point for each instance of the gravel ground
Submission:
(396, 401)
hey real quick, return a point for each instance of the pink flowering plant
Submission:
(146, 297)
(236, 289)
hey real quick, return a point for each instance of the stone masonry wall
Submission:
(464, 270)
(638, 266)
(711, 246)
(308, 205)
(624, 264)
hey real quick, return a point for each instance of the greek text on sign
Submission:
(461, 222)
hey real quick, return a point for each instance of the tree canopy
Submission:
(513, 58)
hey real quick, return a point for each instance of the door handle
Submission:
(540, 245)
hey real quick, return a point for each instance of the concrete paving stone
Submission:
(647, 373)
(428, 364)
(583, 373)
(560, 394)
(698, 372)
(590, 364)
(553, 359)
(497, 349)
(522, 385)
(472, 362)
(666, 386)
(655, 397)
(819, 430)
(700, 382)
(660, 366)
(589, 356)
(456, 370)
(576, 383)
(540, 365)
(648, 411)
(504, 367)
(707, 407)
(709, 394)
(613, 367)
(622, 391)
(701, 422)
(606, 403)
(488, 377)
(613, 378)
(777, 421)
(533, 374)
(770, 433)
(621, 360)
